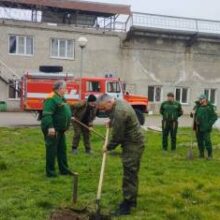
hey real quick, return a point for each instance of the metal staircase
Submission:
(7, 75)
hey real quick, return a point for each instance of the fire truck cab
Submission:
(37, 86)
(95, 85)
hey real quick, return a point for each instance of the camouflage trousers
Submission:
(78, 131)
(131, 157)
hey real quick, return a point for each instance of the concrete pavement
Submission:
(19, 119)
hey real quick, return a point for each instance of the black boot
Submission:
(74, 150)
(209, 155)
(88, 151)
(66, 173)
(124, 208)
(201, 154)
(133, 204)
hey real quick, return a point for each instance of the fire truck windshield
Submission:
(113, 87)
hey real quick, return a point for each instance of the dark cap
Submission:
(91, 98)
(170, 94)
(59, 84)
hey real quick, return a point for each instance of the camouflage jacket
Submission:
(125, 127)
(80, 109)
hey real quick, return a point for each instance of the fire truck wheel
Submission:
(140, 116)
(51, 69)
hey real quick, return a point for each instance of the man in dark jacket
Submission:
(205, 117)
(170, 110)
(85, 112)
(55, 121)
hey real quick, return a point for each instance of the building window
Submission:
(61, 48)
(154, 93)
(211, 95)
(21, 45)
(182, 95)
(14, 89)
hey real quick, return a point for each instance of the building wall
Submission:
(140, 62)
(170, 64)
(102, 54)
(100, 44)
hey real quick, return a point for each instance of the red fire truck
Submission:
(35, 87)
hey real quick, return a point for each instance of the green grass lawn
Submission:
(171, 187)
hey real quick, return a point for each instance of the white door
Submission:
(113, 88)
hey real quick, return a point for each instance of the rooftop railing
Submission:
(173, 23)
(123, 23)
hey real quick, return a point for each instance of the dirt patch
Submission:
(67, 214)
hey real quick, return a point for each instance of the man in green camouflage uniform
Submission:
(85, 112)
(127, 132)
(55, 121)
(170, 110)
(205, 117)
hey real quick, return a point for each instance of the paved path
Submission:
(14, 119)
(184, 121)
(11, 119)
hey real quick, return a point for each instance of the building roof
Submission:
(75, 5)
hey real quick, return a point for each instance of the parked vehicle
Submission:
(35, 87)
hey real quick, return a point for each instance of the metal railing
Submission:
(111, 23)
(6, 73)
(173, 23)
(142, 20)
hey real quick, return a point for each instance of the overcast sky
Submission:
(207, 9)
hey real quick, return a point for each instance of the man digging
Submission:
(125, 131)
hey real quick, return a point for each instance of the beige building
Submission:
(182, 57)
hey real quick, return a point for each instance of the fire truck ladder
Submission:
(7, 75)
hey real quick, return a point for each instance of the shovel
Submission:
(87, 127)
(190, 151)
(75, 187)
(75, 195)
(101, 177)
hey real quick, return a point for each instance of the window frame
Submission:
(66, 49)
(209, 90)
(154, 93)
(17, 45)
(181, 92)
(89, 85)
(117, 87)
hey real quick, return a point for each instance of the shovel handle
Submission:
(101, 177)
(87, 127)
(75, 188)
